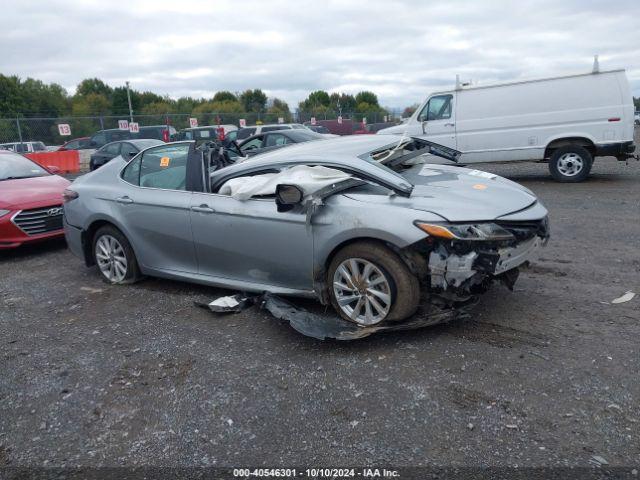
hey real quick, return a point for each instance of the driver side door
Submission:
(438, 118)
(250, 241)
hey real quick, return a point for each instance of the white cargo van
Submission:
(566, 121)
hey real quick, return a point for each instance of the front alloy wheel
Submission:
(111, 258)
(362, 291)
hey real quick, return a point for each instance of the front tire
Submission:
(369, 283)
(114, 256)
(570, 164)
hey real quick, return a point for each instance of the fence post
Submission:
(19, 132)
(101, 123)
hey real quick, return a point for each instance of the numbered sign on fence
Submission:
(280, 119)
(243, 123)
(364, 120)
(193, 122)
(313, 120)
(123, 124)
(134, 127)
(64, 129)
(385, 119)
(339, 120)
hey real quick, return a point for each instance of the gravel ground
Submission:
(547, 375)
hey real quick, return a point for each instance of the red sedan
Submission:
(30, 201)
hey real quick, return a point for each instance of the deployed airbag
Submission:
(308, 179)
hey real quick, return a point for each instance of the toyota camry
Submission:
(361, 222)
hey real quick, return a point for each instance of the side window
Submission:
(245, 133)
(274, 128)
(131, 173)
(119, 135)
(128, 151)
(253, 144)
(276, 139)
(74, 145)
(437, 108)
(112, 149)
(99, 139)
(165, 167)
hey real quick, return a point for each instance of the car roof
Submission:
(347, 146)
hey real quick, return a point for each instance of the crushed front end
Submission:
(457, 261)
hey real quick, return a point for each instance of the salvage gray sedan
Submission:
(360, 222)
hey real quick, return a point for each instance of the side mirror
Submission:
(53, 169)
(287, 197)
(424, 126)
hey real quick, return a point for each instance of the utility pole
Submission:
(129, 100)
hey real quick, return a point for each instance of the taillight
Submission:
(69, 195)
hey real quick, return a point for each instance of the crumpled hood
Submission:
(458, 194)
(22, 191)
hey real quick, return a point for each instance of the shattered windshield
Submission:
(398, 154)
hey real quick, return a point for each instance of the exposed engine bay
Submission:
(456, 270)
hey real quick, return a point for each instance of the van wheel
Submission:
(114, 256)
(570, 164)
(369, 283)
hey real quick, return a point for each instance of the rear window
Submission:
(273, 128)
(245, 133)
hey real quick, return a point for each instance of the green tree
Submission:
(342, 102)
(224, 96)
(253, 100)
(367, 97)
(157, 108)
(317, 101)
(91, 104)
(11, 102)
(93, 85)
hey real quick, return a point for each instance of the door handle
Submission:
(203, 209)
(124, 200)
(449, 124)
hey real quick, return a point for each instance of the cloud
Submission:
(400, 50)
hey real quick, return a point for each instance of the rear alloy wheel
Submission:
(570, 164)
(369, 283)
(114, 256)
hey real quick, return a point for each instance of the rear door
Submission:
(153, 207)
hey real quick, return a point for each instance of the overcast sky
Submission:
(399, 50)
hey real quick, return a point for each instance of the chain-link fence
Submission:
(42, 129)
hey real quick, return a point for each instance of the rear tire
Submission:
(382, 288)
(114, 256)
(570, 164)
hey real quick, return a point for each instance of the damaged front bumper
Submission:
(456, 269)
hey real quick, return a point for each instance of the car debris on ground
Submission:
(329, 325)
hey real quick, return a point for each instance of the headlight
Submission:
(467, 231)
(4, 212)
